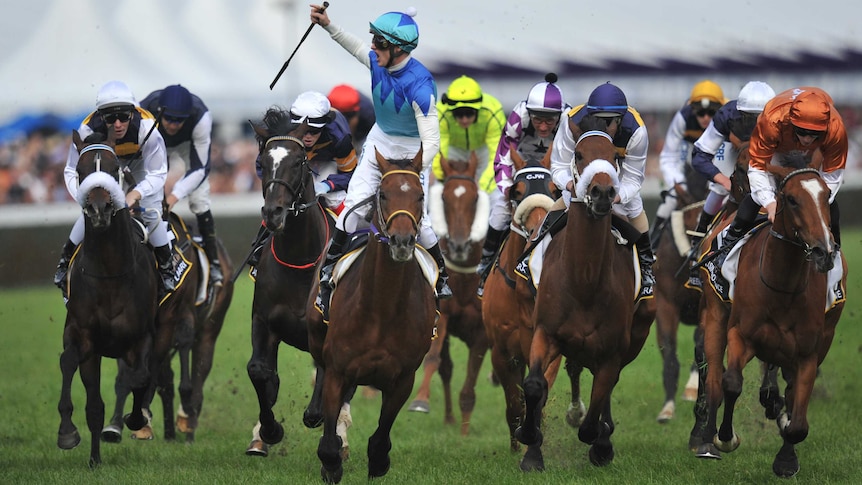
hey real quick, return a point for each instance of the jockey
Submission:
(186, 125)
(735, 119)
(404, 95)
(793, 126)
(685, 128)
(141, 150)
(329, 150)
(357, 108)
(530, 130)
(470, 120)
(629, 133)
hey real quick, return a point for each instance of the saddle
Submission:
(188, 254)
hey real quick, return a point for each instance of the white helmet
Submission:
(311, 106)
(114, 93)
(754, 96)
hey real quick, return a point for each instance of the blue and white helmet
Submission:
(607, 101)
(546, 97)
(398, 28)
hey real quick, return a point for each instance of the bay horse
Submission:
(113, 296)
(189, 321)
(382, 317)
(507, 302)
(287, 272)
(779, 314)
(585, 306)
(460, 213)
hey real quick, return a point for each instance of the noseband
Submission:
(582, 180)
(297, 207)
(100, 178)
(401, 212)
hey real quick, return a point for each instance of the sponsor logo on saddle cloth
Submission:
(723, 279)
(530, 266)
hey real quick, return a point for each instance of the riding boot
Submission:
(443, 290)
(493, 239)
(166, 266)
(333, 254)
(206, 225)
(655, 233)
(63, 266)
(699, 233)
(646, 259)
(257, 245)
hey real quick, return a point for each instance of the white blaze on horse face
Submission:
(814, 188)
(459, 191)
(277, 154)
(405, 187)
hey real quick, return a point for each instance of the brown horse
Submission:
(507, 303)
(779, 312)
(460, 212)
(381, 320)
(113, 297)
(287, 271)
(585, 306)
(189, 322)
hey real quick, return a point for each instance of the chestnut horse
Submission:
(113, 297)
(507, 303)
(460, 213)
(287, 271)
(381, 319)
(585, 306)
(779, 314)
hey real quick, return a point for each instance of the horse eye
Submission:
(792, 201)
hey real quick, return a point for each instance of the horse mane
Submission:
(95, 137)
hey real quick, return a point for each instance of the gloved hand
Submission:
(321, 188)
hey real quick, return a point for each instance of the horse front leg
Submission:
(380, 443)
(597, 427)
(510, 373)
(113, 432)
(577, 411)
(467, 398)
(713, 319)
(67, 435)
(166, 394)
(667, 326)
(262, 370)
(430, 366)
(698, 435)
(203, 353)
(329, 447)
(542, 352)
(794, 424)
(738, 355)
(91, 370)
(445, 370)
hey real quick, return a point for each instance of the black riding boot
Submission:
(655, 233)
(166, 266)
(743, 221)
(333, 254)
(206, 225)
(835, 219)
(489, 250)
(443, 290)
(696, 237)
(646, 259)
(257, 245)
(63, 266)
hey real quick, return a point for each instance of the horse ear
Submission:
(382, 162)
(417, 161)
(517, 161)
(445, 165)
(546, 160)
(473, 162)
(76, 139)
(112, 138)
(258, 130)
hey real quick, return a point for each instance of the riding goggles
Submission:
(803, 132)
(380, 42)
(111, 118)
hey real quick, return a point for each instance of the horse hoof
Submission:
(135, 423)
(112, 434)
(419, 406)
(708, 450)
(183, 424)
(689, 394)
(667, 412)
(272, 436)
(785, 469)
(575, 414)
(144, 434)
(69, 440)
(333, 476)
(533, 460)
(345, 453)
(312, 420)
(601, 455)
(727, 446)
(257, 448)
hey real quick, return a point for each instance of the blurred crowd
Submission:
(31, 167)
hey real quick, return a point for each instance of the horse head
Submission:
(595, 172)
(399, 205)
(99, 192)
(802, 213)
(464, 209)
(288, 188)
(532, 188)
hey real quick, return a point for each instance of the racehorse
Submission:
(382, 316)
(507, 302)
(189, 321)
(287, 270)
(585, 306)
(779, 314)
(113, 296)
(460, 213)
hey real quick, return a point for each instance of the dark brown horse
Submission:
(585, 306)
(113, 297)
(189, 321)
(460, 212)
(507, 302)
(779, 312)
(287, 270)
(381, 319)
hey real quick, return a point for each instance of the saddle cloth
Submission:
(426, 263)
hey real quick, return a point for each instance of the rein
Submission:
(312, 264)
(294, 209)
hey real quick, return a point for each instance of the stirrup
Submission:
(444, 292)
(216, 275)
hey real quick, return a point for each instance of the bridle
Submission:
(297, 207)
(400, 212)
(97, 160)
(586, 198)
(796, 240)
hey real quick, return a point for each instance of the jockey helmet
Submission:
(344, 98)
(810, 111)
(464, 92)
(313, 107)
(546, 97)
(607, 101)
(706, 93)
(176, 101)
(115, 94)
(754, 96)
(398, 28)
